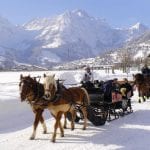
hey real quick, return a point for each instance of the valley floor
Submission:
(130, 132)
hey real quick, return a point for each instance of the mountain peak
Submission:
(80, 13)
(138, 26)
(76, 13)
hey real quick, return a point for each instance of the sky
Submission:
(118, 13)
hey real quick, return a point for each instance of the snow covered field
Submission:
(130, 132)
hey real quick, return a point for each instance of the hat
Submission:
(125, 79)
(87, 68)
(115, 79)
(145, 65)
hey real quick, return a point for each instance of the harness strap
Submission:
(47, 90)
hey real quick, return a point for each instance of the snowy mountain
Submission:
(136, 30)
(69, 36)
(75, 35)
(14, 43)
(137, 49)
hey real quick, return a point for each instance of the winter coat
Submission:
(145, 71)
(87, 77)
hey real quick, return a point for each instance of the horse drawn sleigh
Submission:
(107, 104)
(90, 102)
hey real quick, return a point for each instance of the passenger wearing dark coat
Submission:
(145, 70)
(125, 88)
(109, 87)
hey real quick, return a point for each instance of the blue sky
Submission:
(118, 13)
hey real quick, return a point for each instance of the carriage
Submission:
(90, 102)
(103, 106)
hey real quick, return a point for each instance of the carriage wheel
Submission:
(97, 115)
(124, 104)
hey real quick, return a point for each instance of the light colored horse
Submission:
(50, 86)
(77, 96)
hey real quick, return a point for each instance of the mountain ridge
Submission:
(66, 37)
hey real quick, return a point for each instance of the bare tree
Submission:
(126, 59)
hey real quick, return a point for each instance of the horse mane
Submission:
(49, 79)
(38, 88)
(139, 77)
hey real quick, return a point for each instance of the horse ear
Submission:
(44, 75)
(21, 76)
(53, 75)
(29, 75)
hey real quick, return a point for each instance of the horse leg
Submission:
(57, 124)
(41, 120)
(43, 124)
(139, 100)
(143, 96)
(139, 95)
(73, 116)
(85, 117)
(36, 122)
(129, 104)
(144, 99)
(61, 129)
(65, 120)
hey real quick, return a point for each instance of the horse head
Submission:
(50, 86)
(138, 78)
(26, 86)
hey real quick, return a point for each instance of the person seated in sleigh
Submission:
(145, 70)
(87, 80)
(125, 88)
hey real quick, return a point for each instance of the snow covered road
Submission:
(130, 132)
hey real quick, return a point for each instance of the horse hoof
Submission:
(32, 138)
(62, 135)
(139, 101)
(53, 140)
(84, 128)
(44, 132)
(65, 127)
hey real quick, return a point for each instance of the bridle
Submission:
(50, 91)
(28, 84)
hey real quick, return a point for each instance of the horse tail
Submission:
(86, 97)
